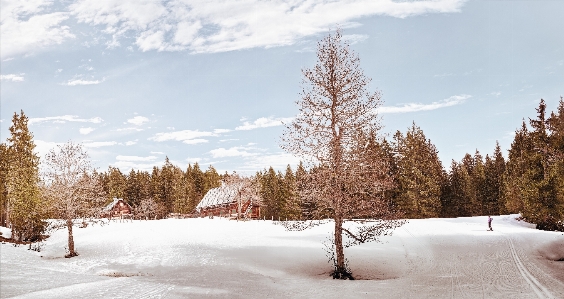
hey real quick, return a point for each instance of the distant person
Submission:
(490, 223)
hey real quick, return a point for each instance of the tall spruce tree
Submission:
(270, 194)
(478, 178)
(292, 208)
(533, 178)
(420, 174)
(494, 170)
(25, 207)
(4, 164)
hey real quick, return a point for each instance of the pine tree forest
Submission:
(530, 181)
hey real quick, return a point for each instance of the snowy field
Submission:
(200, 258)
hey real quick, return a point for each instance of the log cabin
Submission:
(117, 208)
(224, 202)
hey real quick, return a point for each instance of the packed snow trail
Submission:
(539, 289)
(218, 258)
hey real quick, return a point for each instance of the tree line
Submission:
(530, 181)
(164, 190)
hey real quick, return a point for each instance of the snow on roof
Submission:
(218, 196)
(113, 203)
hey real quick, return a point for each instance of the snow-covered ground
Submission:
(193, 258)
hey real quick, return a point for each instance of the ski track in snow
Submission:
(195, 258)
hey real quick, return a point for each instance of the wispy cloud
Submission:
(264, 122)
(221, 131)
(86, 131)
(237, 151)
(138, 120)
(65, 118)
(214, 26)
(96, 144)
(278, 161)
(12, 77)
(127, 163)
(136, 158)
(414, 107)
(76, 82)
(186, 136)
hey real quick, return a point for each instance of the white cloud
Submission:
(195, 141)
(278, 161)
(157, 153)
(221, 131)
(237, 151)
(43, 147)
(136, 158)
(12, 77)
(264, 122)
(96, 144)
(217, 26)
(138, 120)
(413, 107)
(65, 118)
(25, 29)
(186, 136)
(193, 160)
(76, 82)
(86, 131)
(128, 143)
(496, 93)
(130, 129)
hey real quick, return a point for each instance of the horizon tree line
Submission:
(530, 181)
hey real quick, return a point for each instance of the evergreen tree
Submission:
(116, 183)
(533, 180)
(26, 210)
(494, 169)
(458, 187)
(166, 188)
(515, 169)
(199, 182)
(478, 177)
(292, 208)
(270, 194)
(4, 164)
(420, 174)
(211, 179)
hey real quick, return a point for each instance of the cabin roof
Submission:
(217, 196)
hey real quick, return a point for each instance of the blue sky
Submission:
(212, 81)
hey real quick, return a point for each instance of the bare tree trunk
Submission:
(339, 246)
(71, 240)
(239, 206)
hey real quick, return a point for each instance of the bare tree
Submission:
(70, 187)
(147, 208)
(336, 133)
(247, 190)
